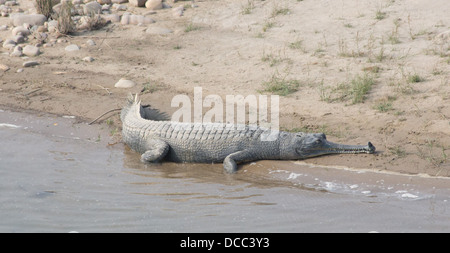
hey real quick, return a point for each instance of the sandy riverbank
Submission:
(323, 49)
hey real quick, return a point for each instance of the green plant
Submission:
(191, 27)
(360, 86)
(280, 85)
(415, 78)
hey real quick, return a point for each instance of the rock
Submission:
(9, 43)
(137, 3)
(4, 67)
(30, 64)
(3, 27)
(72, 48)
(20, 70)
(178, 12)
(119, 1)
(154, 4)
(31, 19)
(114, 18)
(90, 43)
(17, 51)
(102, 2)
(119, 7)
(88, 59)
(135, 19)
(158, 30)
(18, 39)
(92, 7)
(20, 29)
(123, 83)
(30, 50)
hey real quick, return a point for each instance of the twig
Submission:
(117, 109)
(33, 91)
(107, 90)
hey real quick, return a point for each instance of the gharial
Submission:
(156, 138)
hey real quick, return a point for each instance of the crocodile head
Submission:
(304, 145)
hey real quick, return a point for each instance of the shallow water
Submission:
(60, 176)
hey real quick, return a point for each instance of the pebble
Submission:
(20, 70)
(119, 7)
(119, 1)
(3, 27)
(30, 64)
(9, 43)
(102, 2)
(17, 51)
(30, 50)
(93, 7)
(20, 29)
(114, 18)
(88, 59)
(154, 4)
(18, 39)
(31, 19)
(124, 83)
(158, 30)
(133, 19)
(4, 67)
(178, 12)
(90, 43)
(137, 3)
(72, 48)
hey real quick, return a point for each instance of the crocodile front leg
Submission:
(230, 162)
(157, 150)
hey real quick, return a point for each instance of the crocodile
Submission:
(149, 132)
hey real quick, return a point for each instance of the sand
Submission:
(233, 47)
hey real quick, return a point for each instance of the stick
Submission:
(117, 109)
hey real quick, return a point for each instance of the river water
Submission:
(60, 175)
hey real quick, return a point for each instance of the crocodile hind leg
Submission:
(157, 151)
(230, 162)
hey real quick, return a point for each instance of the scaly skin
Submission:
(216, 142)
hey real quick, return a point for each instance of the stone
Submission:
(18, 39)
(137, 3)
(154, 4)
(119, 7)
(102, 2)
(17, 51)
(90, 43)
(30, 50)
(123, 83)
(178, 11)
(114, 18)
(20, 29)
(88, 59)
(30, 64)
(158, 30)
(20, 70)
(3, 27)
(72, 48)
(92, 7)
(135, 19)
(31, 19)
(9, 43)
(4, 67)
(119, 1)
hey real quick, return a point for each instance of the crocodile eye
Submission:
(318, 141)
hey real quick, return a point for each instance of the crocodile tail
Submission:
(145, 112)
(131, 100)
